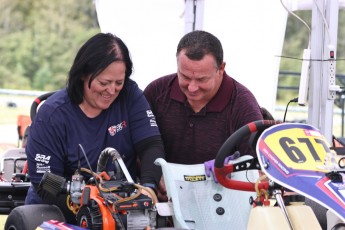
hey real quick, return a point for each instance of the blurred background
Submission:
(39, 39)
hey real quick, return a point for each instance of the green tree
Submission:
(296, 40)
(40, 39)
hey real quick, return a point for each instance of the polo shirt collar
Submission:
(218, 102)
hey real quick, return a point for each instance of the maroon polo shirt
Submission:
(193, 138)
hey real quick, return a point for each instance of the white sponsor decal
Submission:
(149, 113)
(153, 122)
(42, 158)
(152, 119)
(42, 168)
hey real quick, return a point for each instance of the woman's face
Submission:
(103, 90)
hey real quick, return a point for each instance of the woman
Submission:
(100, 107)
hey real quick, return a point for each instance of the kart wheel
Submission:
(90, 217)
(28, 217)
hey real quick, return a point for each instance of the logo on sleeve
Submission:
(42, 163)
(152, 118)
(42, 158)
(149, 113)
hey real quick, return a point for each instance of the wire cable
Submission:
(300, 19)
(115, 215)
(313, 60)
(293, 100)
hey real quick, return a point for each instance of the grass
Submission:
(9, 115)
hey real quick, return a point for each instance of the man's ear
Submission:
(222, 67)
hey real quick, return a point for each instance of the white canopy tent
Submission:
(151, 29)
(252, 33)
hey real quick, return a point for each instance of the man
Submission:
(200, 106)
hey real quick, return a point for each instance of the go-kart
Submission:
(295, 160)
(297, 168)
(13, 183)
(107, 200)
(294, 157)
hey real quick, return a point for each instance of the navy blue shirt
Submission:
(60, 126)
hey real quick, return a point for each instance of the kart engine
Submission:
(107, 200)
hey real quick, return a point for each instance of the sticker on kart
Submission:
(298, 157)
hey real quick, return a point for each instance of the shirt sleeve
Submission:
(149, 150)
(246, 110)
(45, 148)
(141, 118)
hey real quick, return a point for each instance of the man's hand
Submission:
(161, 191)
(209, 165)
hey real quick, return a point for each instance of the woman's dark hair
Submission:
(197, 44)
(92, 58)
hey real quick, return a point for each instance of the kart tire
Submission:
(28, 217)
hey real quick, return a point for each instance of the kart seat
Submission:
(199, 203)
(23, 122)
(13, 189)
(12, 161)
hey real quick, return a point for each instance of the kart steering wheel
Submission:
(37, 102)
(222, 172)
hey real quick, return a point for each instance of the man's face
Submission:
(199, 80)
